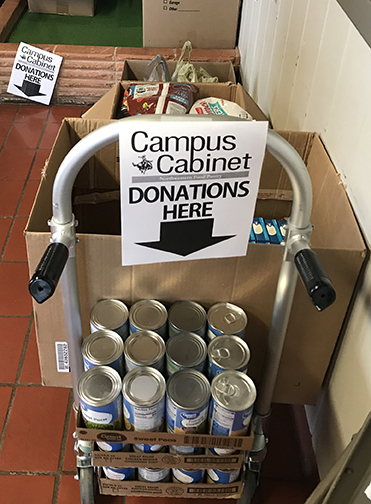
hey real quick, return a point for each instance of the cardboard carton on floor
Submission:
(133, 69)
(68, 7)
(249, 281)
(206, 23)
(107, 107)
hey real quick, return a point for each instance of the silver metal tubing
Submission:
(299, 220)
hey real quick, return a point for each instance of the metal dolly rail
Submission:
(60, 256)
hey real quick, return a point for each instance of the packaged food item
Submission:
(227, 352)
(144, 348)
(157, 98)
(218, 106)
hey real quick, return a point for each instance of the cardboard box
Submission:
(67, 7)
(107, 106)
(133, 69)
(206, 23)
(249, 281)
(174, 490)
(166, 460)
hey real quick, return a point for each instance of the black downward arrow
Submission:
(185, 237)
(30, 88)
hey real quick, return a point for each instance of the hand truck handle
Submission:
(45, 279)
(315, 279)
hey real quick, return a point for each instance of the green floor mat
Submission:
(116, 23)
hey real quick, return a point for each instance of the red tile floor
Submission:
(37, 462)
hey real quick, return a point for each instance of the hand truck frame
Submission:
(60, 256)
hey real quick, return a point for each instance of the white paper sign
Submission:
(188, 189)
(34, 73)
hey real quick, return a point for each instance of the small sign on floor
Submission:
(34, 73)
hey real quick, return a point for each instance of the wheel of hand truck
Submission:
(87, 485)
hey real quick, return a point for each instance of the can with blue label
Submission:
(148, 315)
(187, 316)
(187, 406)
(226, 318)
(99, 390)
(227, 352)
(144, 391)
(149, 448)
(222, 477)
(103, 348)
(119, 473)
(232, 400)
(185, 350)
(188, 476)
(145, 348)
(110, 314)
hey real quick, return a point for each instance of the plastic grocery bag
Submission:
(185, 71)
(157, 70)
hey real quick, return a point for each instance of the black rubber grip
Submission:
(315, 279)
(45, 279)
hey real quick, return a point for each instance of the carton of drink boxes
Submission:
(161, 460)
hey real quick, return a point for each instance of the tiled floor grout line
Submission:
(15, 384)
(62, 452)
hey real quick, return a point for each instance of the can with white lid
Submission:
(110, 314)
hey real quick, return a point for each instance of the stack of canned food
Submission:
(182, 370)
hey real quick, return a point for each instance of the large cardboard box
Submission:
(133, 69)
(249, 281)
(206, 23)
(69, 7)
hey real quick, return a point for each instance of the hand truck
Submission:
(297, 257)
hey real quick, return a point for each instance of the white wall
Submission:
(309, 69)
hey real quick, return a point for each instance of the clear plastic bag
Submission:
(157, 70)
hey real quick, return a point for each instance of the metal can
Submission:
(185, 450)
(187, 316)
(226, 318)
(148, 315)
(144, 348)
(188, 477)
(144, 399)
(103, 348)
(122, 473)
(232, 400)
(222, 477)
(187, 405)
(110, 314)
(99, 390)
(154, 475)
(227, 352)
(149, 448)
(185, 350)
